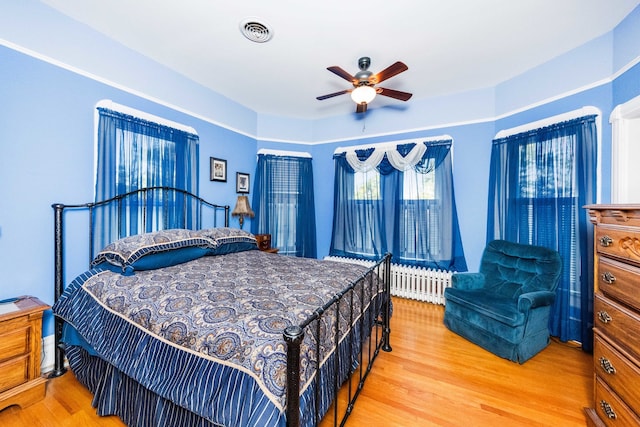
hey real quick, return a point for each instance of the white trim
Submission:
(584, 111)
(392, 144)
(624, 119)
(628, 110)
(119, 86)
(47, 360)
(142, 95)
(284, 153)
(110, 105)
(581, 112)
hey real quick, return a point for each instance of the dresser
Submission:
(616, 352)
(20, 352)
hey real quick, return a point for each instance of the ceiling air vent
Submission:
(255, 30)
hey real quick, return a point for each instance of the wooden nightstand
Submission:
(264, 241)
(20, 351)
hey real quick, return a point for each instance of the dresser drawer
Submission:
(611, 409)
(14, 372)
(620, 242)
(620, 373)
(618, 323)
(619, 281)
(14, 343)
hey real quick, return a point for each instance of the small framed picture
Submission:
(218, 169)
(242, 182)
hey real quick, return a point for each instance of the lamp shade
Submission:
(242, 207)
(362, 94)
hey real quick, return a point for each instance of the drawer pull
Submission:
(606, 366)
(604, 317)
(608, 410)
(608, 277)
(606, 241)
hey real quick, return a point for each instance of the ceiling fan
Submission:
(364, 82)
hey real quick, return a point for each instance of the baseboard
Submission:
(47, 361)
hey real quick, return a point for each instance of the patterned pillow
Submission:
(229, 240)
(158, 249)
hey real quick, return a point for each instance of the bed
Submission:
(192, 325)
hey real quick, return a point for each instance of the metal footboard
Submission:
(378, 277)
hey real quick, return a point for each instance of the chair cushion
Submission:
(500, 309)
(511, 269)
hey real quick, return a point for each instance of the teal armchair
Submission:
(505, 307)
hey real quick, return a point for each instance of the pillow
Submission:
(229, 240)
(148, 251)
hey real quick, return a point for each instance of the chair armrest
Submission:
(467, 280)
(535, 299)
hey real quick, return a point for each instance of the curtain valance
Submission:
(422, 157)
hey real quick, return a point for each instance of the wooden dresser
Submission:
(616, 353)
(20, 352)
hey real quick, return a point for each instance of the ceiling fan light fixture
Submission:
(362, 94)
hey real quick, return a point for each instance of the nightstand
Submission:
(264, 243)
(20, 351)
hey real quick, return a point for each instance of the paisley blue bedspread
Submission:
(207, 334)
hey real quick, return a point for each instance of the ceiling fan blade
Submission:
(361, 108)
(331, 95)
(342, 73)
(389, 72)
(403, 96)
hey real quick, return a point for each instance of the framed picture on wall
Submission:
(242, 182)
(218, 169)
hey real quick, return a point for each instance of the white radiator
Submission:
(422, 284)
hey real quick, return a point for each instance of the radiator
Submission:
(419, 283)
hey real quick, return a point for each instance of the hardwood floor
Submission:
(431, 378)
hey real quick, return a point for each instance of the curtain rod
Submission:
(110, 105)
(584, 111)
(392, 144)
(284, 153)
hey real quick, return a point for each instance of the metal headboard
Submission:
(140, 198)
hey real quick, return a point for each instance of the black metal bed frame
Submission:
(293, 335)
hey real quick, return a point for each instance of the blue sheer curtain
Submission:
(406, 207)
(284, 204)
(133, 153)
(539, 182)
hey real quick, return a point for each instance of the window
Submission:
(539, 182)
(284, 204)
(397, 198)
(134, 151)
(420, 216)
(366, 185)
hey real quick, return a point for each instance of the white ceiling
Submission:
(449, 46)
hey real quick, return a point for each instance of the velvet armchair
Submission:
(505, 307)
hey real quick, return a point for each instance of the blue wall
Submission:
(47, 156)
(51, 80)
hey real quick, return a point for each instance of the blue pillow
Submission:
(149, 251)
(229, 240)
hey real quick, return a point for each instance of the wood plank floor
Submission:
(431, 378)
